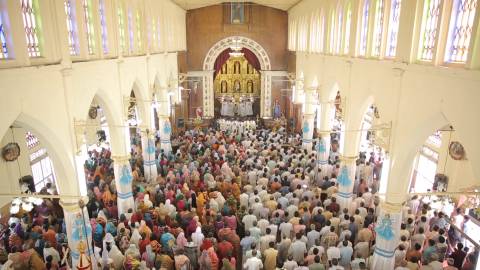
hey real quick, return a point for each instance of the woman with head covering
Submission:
(136, 237)
(149, 256)
(181, 240)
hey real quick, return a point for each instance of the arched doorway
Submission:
(250, 49)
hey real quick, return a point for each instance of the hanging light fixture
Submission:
(236, 48)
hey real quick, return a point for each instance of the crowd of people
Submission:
(234, 199)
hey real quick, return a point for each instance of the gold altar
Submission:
(236, 79)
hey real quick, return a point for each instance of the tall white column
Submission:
(323, 152)
(165, 133)
(307, 131)
(78, 229)
(267, 95)
(346, 181)
(123, 183)
(309, 118)
(208, 94)
(387, 235)
(149, 157)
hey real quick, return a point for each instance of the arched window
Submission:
(154, 32)
(103, 26)
(378, 30)
(332, 32)
(393, 26)
(71, 27)
(3, 39)
(364, 29)
(429, 29)
(348, 24)
(87, 10)
(139, 30)
(31, 22)
(121, 28)
(460, 33)
(40, 163)
(130, 31)
(292, 35)
(321, 43)
(338, 43)
(159, 36)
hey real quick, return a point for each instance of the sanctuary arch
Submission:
(266, 74)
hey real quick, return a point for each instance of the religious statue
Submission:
(223, 88)
(250, 87)
(236, 86)
(199, 112)
(277, 112)
(338, 104)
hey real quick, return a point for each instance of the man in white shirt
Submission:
(253, 263)
(333, 252)
(249, 219)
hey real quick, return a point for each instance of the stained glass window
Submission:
(121, 28)
(89, 26)
(364, 30)
(378, 31)
(429, 34)
(393, 26)
(348, 23)
(103, 26)
(71, 26)
(130, 30)
(460, 33)
(338, 44)
(31, 23)
(159, 36)
(332, 32)
(322, 32)
(302, 34)
(154, 32)
(139, 30)
(3, 39)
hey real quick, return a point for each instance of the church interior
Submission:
(260, 134)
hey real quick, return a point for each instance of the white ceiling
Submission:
(192, 4)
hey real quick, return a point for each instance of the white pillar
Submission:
(123, 183)
(165, 133)
(346, 180)
(323, 152)
(208, 94)
(78, 229)
(149, 157)
(387, 235)
(307, 131)
(309, 118)
(267, 94)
